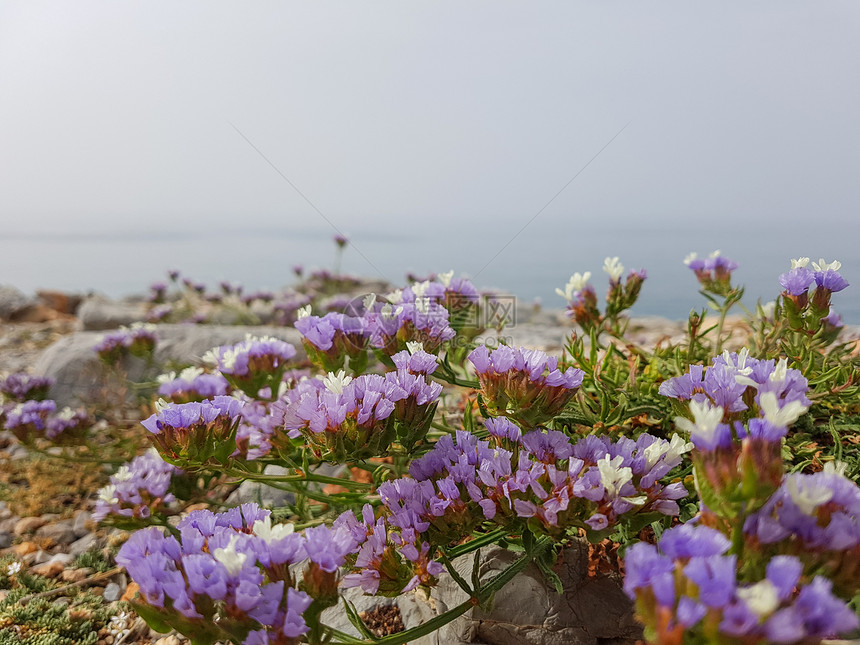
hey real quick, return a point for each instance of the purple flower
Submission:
(524, 384)
(137, 488)
(797, 281)
(23, 387)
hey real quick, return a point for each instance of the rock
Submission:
(29, 524)
(82, 545)
(528, 610)
(48, 569)
(265, 496)
(168, 640)
(12, 302)
(112, 592)
(5, 513)
(100, 313)
(130, 591)
(79, 525)
(5, 539)
(9, 524)
(59, 301)
(80, 377)
(60, 532)
(76, 575)
(25, 548)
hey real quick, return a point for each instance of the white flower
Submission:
(369, 301)
(781, 417)
(779, 372)
(767, 309)
(229, 357)
(228, 556)
(414, 346)
(613, 476)
(303, 312)
(336, 382)
(395, 296)
(807, 494)
(420, 288)
(799, 263)
(672, 449)
(823, 266)
(715, 254)
(706, 420)
(690, 257)
(388, 312)
(145, 326)
(167, 377)
(836, 467)
(161, 404)
(119, 624)
(422, 305)
(576, 284)
(762, 598)
(212, 356)
(123, 474)
(445, 278)
(13, 568)
(108, 495)
(613, 267)
(264, 530)
(66, 414)
(190, 373)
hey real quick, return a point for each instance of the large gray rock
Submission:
(528, 610)
(81, 378)
(97, 313)
(13, 302)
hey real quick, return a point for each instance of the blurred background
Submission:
(514, 143)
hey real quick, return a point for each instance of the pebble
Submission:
(112, 592)
(83, 545)
(60, 532)
(5, 539)
(76, 575)
(25, 548)
(48, 569)
(168, 640)
(28, 525)
(79, 525)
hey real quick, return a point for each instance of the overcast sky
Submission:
(471, 116)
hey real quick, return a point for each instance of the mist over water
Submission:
(530, 266)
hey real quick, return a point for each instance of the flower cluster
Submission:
(525, 384)
(738, 464)
(27, 419)
(713, 273)
(391, 558)
(138, 489)
(192, 384)
(421, 320)
(229, 575)
(814, 516)
(351, 419)
(32, 419)
(197, 432)
(253, 364)
(688, 588)
(744, 387)
(24, 387)
(138, 340)
(802, 310)
(541, 475)
(334, 339)
(581, 300)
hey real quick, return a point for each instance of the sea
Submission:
(530, 265)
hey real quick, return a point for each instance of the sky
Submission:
(442, 127)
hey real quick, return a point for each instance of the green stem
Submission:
(481, 595)
(307, 477)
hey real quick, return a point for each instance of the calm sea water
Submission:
(530, 266)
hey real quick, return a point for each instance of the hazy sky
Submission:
(443, 116)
